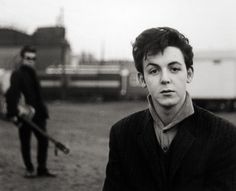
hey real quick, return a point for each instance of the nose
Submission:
(165, 78)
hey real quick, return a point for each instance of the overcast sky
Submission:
(107, 27)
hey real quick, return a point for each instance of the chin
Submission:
(168, 103)
(168, 106)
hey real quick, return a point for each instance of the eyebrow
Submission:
(154, 64)
(174, 62)
(151, 64)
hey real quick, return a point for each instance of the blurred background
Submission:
(84, 47)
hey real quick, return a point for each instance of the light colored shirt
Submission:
(166, 134)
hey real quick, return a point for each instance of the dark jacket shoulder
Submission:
(217, 127)
(132, 121)
(211, 118)
(126, 129)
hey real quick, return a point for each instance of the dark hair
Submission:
(155, 40)
(27, 48)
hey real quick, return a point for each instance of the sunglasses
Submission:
(30, 58)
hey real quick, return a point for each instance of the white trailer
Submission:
(214, 81)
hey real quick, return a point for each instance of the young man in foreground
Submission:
(173, 145)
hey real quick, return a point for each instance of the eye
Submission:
(175, 69)
(154, 71)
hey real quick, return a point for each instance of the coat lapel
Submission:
(148, 143)
(181, 145)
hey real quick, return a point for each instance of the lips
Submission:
(167, 91)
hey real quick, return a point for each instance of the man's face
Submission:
(166, 76)
(29, 59)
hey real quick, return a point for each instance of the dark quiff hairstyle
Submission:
(152, 41)
(25, 49)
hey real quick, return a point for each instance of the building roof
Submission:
(13, 37)
(42, 36)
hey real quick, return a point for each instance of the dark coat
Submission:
(201, 157)
(25, 81)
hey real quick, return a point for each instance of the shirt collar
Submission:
(185, 111)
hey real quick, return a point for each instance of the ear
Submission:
(190, 74)
(141, 80)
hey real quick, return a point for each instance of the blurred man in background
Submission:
(24, 85)
(173, 145)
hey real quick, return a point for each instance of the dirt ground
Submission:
(84, 128)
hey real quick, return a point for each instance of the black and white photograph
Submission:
(116, 95)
